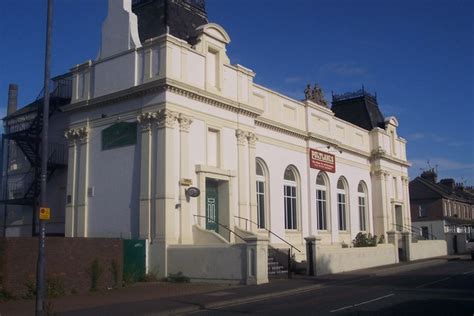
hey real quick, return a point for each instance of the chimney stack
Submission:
(12, 98)
(430, 175)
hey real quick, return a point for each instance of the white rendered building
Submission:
(152, 116)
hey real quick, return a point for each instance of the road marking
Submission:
(468, 272)
(434, 282)
(363, 303)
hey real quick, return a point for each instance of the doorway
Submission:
(398, 218)
(212, 205)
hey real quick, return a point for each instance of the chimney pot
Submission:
(12, 98)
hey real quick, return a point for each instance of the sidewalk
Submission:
(165, 298)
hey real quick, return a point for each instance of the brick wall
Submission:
(67, 259)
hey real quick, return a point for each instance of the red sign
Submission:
(322, 161)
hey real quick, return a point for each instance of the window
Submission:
(342, 204)
(321, 202)
(362, 197)
(422, 211)
(289, 195)
(260, 195)
(425, 232)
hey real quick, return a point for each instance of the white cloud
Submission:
(442, 164)
(416, 136)
(293, 79)
(344, 69)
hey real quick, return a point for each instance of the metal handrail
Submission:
(415, 230)
(221, 225)
(286, 242)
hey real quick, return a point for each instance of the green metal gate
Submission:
(134, 256)
(212, 206)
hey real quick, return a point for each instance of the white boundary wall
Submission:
(427, 249)
(335, 259)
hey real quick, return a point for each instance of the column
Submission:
(146, 121)
(243, 202)
(252, 140)
(165, 180)
(185, 220)
(83, 182)
(70, 215)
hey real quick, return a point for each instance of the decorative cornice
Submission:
(146, 120)
(228, 105)
(166, 118)
(272, 126)
(241, 137)
(184, 122)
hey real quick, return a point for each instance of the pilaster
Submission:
(77, 182)
(146, 122)
(406, 200)
(242, 176)
(70, 215)
(252, 142)
(164, 223)
(185, 220)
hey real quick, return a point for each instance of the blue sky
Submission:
(418, 56)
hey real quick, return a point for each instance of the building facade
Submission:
(163, 108)
(442, 210)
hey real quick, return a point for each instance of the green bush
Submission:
(54, 288)
(178, 278)
(382, 239)
(95, 272)
(365, 240)
(113, 269)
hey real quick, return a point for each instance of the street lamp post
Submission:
(40, 268)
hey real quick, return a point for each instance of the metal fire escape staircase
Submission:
(24, 129)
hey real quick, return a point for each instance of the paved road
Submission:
(443, 289)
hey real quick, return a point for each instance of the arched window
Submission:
(342, 204)
(321, 202)
(261, 191)
(290, 198)
(362, 197)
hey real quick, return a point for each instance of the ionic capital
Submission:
(76, 134)
(146, 120)
(252, 139)
(184, 122)
(166, 118)
(241, 137)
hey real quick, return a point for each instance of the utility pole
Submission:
(40, 268)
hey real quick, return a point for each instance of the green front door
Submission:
(212, 206)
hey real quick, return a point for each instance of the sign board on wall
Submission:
(322, 161)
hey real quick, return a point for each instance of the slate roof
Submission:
(442, 191)
(359, 108)
(179, 17)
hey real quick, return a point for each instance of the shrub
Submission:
(54, 288)
(365, 240)
(178, 278)
(115, 273)
(95, 273)
(382, 239)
